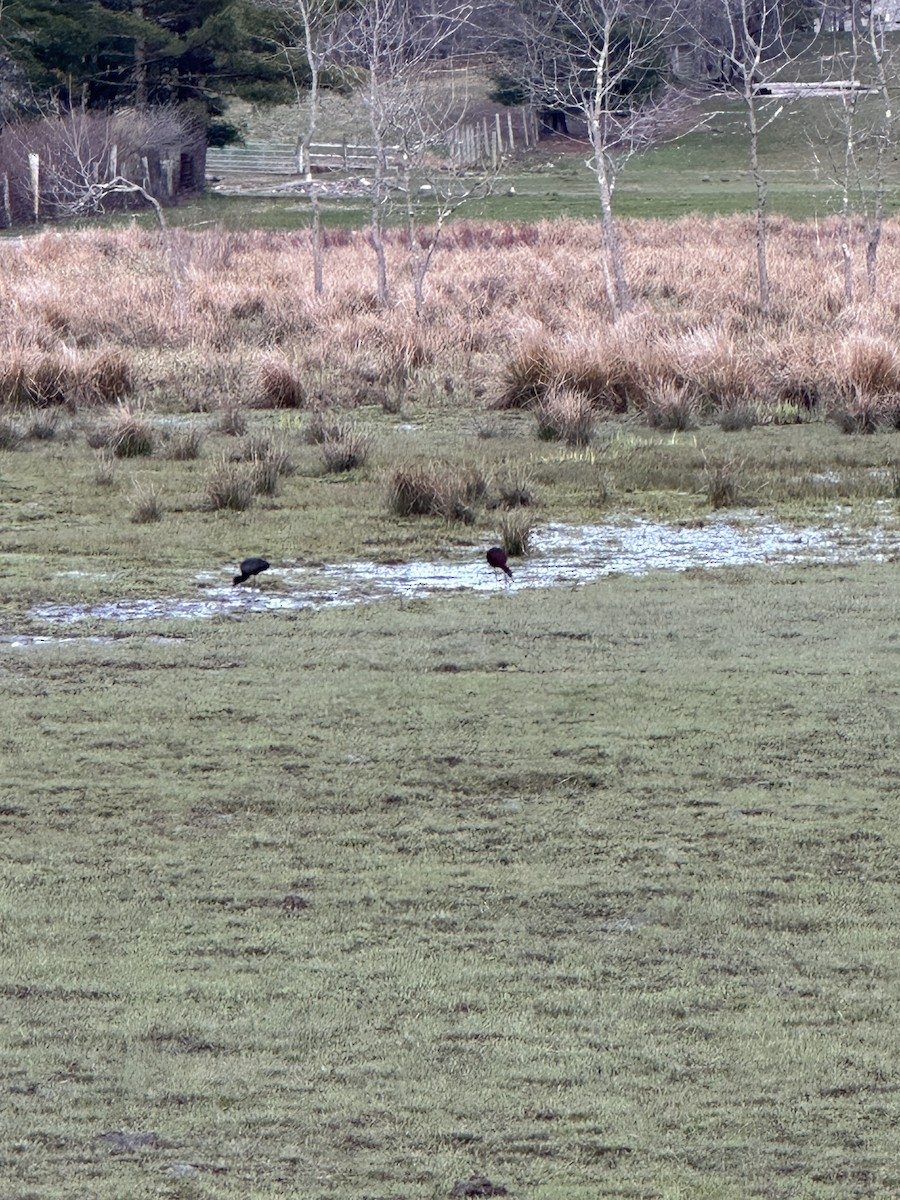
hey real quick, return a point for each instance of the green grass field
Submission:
(591, 891)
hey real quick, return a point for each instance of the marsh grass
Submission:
(279, 385)
(734, 418)
(11, 434)
(44, 426)
(437, 490)
(566, 415)
(515, 486)
(673, 406)
(567, 888)
(104, 469)
(230, 486)
(517, 529)
(233, 422)
(345, 448)
(724, 482)
(146, 505)
(182, 445)
(126, 431)
(546, 329)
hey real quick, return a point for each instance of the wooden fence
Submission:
(286, 158)
(483, 143)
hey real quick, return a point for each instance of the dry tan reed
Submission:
(217, 318)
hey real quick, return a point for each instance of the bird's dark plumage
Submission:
(496, 557)
(250, 567)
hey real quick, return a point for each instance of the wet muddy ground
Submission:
(563, 555)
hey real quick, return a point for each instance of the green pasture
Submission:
(704, 171)
(592, 891)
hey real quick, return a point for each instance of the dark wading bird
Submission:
(496, 557)
(250, 567)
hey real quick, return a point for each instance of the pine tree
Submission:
(107, 53)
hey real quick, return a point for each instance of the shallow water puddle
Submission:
(563, 554)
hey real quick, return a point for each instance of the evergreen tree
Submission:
(105, 53)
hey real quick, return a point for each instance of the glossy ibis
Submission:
(496, 557)
(250, 567)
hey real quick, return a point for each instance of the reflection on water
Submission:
(563, 554)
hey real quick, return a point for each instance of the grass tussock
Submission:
(517, 530)
(44, 426)
(723, 482)
(565, 415)
(345, 449)
(146, 505)
(105, 469)
(515, 487)
(672, 406)
(182, 445)
(437, 490)
(11, 434)
(230, 486)
(266, 460)
(279, 385)
(126, 432)
(233, 422)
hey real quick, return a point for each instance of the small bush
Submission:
(230, 486)
(147, 506)
(516, 532)
(125, 431)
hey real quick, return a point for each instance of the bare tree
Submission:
(313, 28)
(85, 158)
(866, 121)
(602, 61)
(882, 132)
(396, 46)
(752, 43)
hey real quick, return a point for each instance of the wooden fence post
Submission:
(34, 166)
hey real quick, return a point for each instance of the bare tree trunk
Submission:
(875, 38)
(617, 288)
(761, 187)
